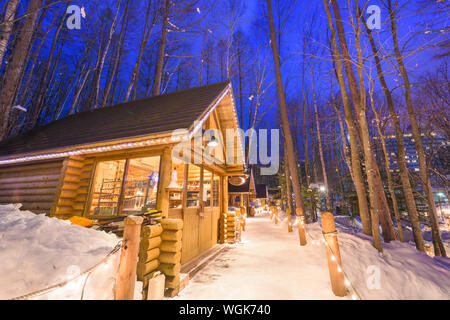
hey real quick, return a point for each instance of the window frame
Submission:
(87, 210)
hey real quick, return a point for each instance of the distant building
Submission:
(272, 182)
(434, 142)
(431, 143)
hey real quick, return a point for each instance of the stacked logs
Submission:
(243, 218)
(228, 226)
(170, 257)
(149, 253)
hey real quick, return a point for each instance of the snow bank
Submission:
(404, 272)
(37, 252)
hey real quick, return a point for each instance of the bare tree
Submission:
(378, 202)
(366, 219)
(319, 140)
(7, 26)
(16, 64)
(401, 152)
(439, 249)
(287, 130)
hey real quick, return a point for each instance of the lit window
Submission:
(126, 186)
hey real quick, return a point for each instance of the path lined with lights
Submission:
(269, 264)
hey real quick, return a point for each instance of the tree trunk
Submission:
(35, 56)
(287, 130)
(103, 57)
(439, 249)
(352, 132)
(377, 196)
(319, 140)
(388, 171)
(401, 152)
(114, 71)
(162, 50)
(16, 65)
(305, 125)
(40, 92)
(7, 28)
(145, 37)
(288, 187)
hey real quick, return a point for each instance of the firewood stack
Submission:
(228, 226)
(149, 253)
(243, 218)
(170, 257)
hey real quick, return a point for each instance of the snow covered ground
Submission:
(270, 264)
(37, 252)
(403, 272)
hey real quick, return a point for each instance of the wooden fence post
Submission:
(333, 255)
(275, 214)
(126, 277)
(289, 219)
(301, 227)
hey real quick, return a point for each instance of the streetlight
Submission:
(440, 197)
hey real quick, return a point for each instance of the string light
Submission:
(65, 154)
(353, 294)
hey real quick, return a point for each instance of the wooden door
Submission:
(200, 222)
(191, 238)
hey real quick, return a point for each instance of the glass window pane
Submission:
(141, 185)
(106, 189)
(193, 187)
(207, 176)
(176, 187)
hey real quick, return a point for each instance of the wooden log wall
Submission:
(34, 185)
(73, 190)
(170, 257)
(149, 253)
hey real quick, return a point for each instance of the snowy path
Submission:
(269, 264)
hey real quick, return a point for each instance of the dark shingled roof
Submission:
(261, 191)
(157, 114)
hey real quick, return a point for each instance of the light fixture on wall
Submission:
(173, 182)
(213, 142)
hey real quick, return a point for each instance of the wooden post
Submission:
(289, 219)
(301, 227)
(243, 215)
(276, 214)
(128, 258)
(333, 255)
(224, 209)
(164, 180)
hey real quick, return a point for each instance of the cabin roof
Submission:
(261, 191)
(163, 113)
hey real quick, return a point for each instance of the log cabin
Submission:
(117, 161)
(241, 192)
